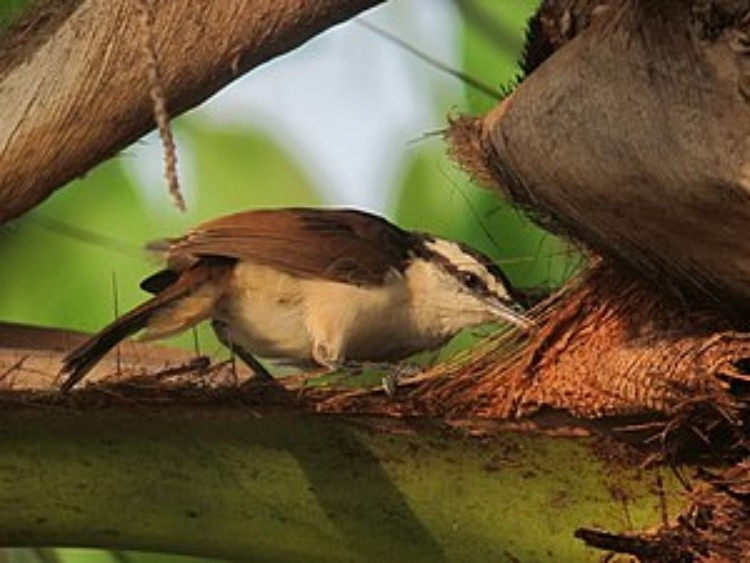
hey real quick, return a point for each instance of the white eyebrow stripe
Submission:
(462, 260)
(449, 250)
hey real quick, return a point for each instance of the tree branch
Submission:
(263, 485)
(73, 86)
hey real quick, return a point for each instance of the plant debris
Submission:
(714, 528)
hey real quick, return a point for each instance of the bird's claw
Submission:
(393, 378)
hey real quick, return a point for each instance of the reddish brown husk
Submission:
(610, 347)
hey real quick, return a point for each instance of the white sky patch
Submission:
(345, 105)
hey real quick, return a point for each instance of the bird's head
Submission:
(463, 287)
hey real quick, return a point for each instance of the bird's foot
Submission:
(397, 375)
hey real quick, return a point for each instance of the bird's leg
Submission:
(260, 373)
(329, 356)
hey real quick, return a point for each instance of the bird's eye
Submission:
(472, 281)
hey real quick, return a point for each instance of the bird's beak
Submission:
(511, 313)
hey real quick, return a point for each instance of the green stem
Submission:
(272, 486)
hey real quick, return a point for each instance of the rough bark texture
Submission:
(73, 87)
(630, 133)
(633, 136)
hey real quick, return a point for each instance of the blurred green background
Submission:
(76, 260)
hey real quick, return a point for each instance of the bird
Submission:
(326, 287)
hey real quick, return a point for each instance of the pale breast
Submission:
(265, 314)
(358, 323)
(278, 316)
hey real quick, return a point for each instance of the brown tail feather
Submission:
(81, 360)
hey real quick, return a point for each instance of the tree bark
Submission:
(634, 138)
(73, 76)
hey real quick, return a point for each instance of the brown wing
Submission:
(337, 244)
